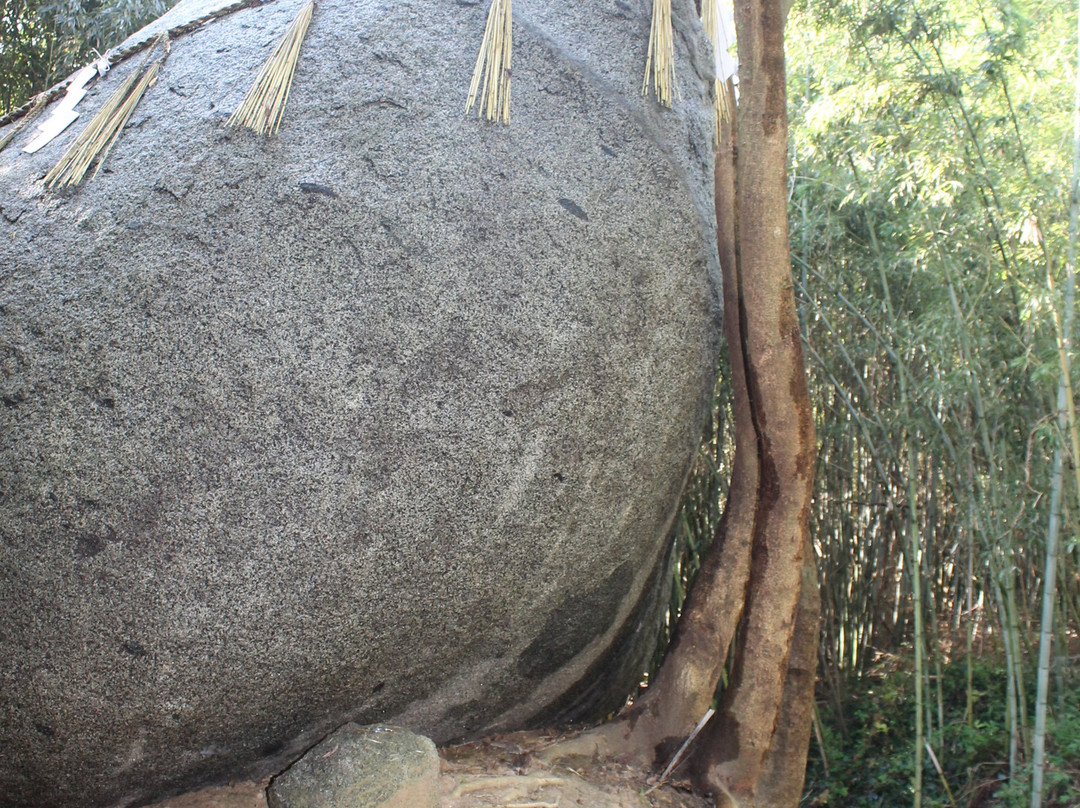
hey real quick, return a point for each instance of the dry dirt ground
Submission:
(502, 772)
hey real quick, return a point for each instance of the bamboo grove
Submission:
(930, 204)
(932, 182)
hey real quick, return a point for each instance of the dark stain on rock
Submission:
(384, 102)
(574, 623)
(574, 209)
(458, 719)
(146, 513)
(389, 57)
(603, 687)
(315, 188)
(133, 649)
(161, 189)
(10, 217)
(88, 545)
(529, 396)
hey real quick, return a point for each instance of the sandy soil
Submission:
(502, 772)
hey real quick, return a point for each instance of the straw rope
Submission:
(660, 64)
(37, 104)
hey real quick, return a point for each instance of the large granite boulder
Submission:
(383, 419)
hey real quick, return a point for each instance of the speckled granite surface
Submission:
(382, 419)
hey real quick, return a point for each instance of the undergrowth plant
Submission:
(864, 757)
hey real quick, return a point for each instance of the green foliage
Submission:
(1063, 762)
(869, 749)
(928, 172)
(42, 42)
(930, 201)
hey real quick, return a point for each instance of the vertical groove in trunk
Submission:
(762, 705)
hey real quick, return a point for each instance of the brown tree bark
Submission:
(759, 575)
(754, 752)
(785, 762)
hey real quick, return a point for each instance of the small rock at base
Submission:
(362, 767)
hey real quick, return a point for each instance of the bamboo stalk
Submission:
(493, 65)
(969, 628)
(263, 106)
(820, 740)
(997, 542)
(914, 549)
(1066, 418)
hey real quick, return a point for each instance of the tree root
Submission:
(520, 783)
(605, 742)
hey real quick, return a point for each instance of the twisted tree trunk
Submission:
(759, 575)
(754, 752)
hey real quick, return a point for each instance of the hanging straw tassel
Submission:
(495, 53)
(721, 40)
(264, 103)
(661, 60)
(97, 139)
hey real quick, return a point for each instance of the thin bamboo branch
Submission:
(941, 774)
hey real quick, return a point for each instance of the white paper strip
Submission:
(64, 115)
(60, 120)
(102, 64)
(723, 38)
